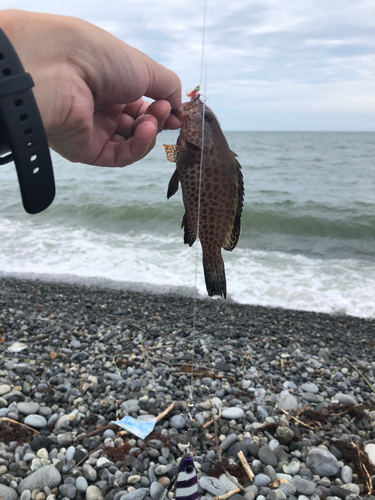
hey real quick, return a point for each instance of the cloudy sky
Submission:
(271, 64)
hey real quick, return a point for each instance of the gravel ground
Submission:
(281, 386)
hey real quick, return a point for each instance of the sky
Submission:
(273, 65)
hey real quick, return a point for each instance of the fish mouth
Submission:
(192, 147)
(188, 145)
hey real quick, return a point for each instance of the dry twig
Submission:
(166, 411)
(19, 423)
(296, 419)
(207, 424)
(360, 373)
(246, 466)
(236, 483)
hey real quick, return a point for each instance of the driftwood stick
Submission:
(101, 429)
(227, 495)
(19, 423)
(137, 326)
(246, 466)
(236, 483)
(296, 419)
(207, 424)
(360, 373)
(88, 454)
(166, 411)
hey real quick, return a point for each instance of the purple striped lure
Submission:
(186, 482)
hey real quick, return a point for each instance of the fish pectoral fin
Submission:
(189, 235)
(176, 153)
(173, 184)
(231, 238)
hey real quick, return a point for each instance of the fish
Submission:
(222, 188)
(186, 483)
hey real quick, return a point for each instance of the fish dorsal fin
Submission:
(176, 153)
(173, 184)
(233, 234)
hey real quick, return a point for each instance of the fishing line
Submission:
(203, 76)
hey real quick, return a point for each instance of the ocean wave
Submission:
(279, 279)
(313, 221)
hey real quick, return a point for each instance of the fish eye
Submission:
(208, 116)
(189, 469)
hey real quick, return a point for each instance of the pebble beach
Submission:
(292, 390)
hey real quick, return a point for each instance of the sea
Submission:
(308, 225)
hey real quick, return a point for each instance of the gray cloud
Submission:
(270, 65)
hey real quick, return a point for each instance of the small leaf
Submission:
(52, 354)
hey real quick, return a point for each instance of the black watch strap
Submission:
(22, 128)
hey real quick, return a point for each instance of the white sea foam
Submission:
(345, 286)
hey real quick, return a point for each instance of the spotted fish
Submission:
(222, 189)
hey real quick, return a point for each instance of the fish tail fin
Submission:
(214, 275)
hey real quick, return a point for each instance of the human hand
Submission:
(89, 87)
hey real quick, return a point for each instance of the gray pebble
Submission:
(68, 490)
(151, 475)
(177, 422)
(352, 488)
(322, 462)
(109, 433)
(45, 476)
(233, 413)
(288, 488)
(93, 492)
(45, 411)
(161, 470)
(138, 494)
(309, 387)
(267, 456)
(346, 474)
(35, 421)
(65, 439)
(303, 486)
(228, 441)
(81, 484)
(270, 471)
(292, 468)
(227, 483)
(284, 434)
(89, 472)
(24, 368)
(261, 480)
(212, 485)
(134, 479)
(70, 453)
(156, 491)
(344, 399)
(7, 493)
(29, 408)
(287, 401)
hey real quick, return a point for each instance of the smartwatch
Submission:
(22, 132)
